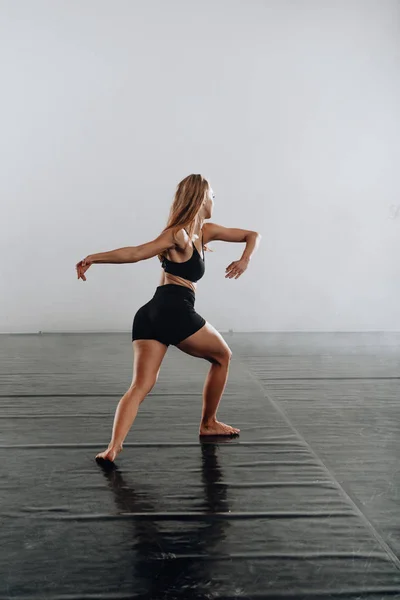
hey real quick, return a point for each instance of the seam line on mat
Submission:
(378, 537)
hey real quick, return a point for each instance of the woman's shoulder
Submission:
(180, 236)
(207, 231)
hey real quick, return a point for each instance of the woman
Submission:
(170, 317)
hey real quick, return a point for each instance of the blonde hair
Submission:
(189, 197)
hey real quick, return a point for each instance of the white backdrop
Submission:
(291, 108)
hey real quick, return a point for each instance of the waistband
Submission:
(173, 288)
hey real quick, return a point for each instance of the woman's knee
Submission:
(144, 385)
(223, 357)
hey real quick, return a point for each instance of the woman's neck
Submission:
(198, 226)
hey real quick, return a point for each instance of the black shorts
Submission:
(169, 317)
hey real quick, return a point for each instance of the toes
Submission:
(233, 430)
(229, 429)
(102, 455)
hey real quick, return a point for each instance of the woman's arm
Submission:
(133, 254)
(129, 254)
(213, 232)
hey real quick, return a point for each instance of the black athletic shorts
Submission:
(169, 317)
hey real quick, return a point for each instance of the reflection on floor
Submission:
(305, 504)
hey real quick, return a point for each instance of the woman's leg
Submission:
(207, 343)
(148, 356)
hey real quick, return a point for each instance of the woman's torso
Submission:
(183, 255)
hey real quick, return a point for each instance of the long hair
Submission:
(189, 196)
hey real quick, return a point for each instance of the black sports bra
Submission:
(192, 269)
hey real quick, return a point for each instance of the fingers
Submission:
(234, 274)
(80, 270)
(230, 271)
(235, 270)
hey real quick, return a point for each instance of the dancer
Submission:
(170, 316)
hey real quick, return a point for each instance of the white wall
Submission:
(291, 108)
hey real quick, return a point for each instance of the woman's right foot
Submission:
(110, 454)
(217, 428)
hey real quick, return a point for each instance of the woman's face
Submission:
(209, 203)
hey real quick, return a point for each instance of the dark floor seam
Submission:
(388, 550)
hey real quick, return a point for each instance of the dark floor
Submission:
(305, 504)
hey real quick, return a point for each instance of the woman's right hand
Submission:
(82, 266)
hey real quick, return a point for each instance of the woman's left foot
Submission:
(217, 428)
(110, 454)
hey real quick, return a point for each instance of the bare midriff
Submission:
(167, 278)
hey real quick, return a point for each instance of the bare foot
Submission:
(110, 454)
(217, 428)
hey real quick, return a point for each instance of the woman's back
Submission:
(183, 265)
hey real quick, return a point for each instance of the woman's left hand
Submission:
(235, 269)
(82, 266)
